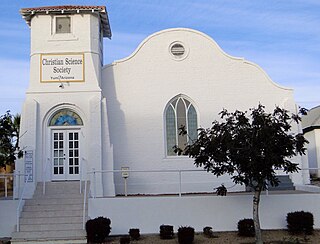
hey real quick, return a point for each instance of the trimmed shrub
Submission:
(125, 240)
(98, 229)
(246, 227)
(134, 234)
(166, 232)
(208, 232)
(221, 190)
(300, 222)
(185, 235)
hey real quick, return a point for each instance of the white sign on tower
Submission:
(62, 67)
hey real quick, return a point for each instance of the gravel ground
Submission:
(270, 237)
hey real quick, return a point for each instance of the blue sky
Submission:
(282, 36)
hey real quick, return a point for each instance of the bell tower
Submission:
(66, 46)
(64, 115)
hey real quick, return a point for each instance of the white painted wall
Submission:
(8, 219)
(139, 87)
(222, 213)
(317, 145)
(313, 147)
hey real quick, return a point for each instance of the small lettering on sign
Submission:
(28, 166)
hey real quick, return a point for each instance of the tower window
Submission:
(63, 25)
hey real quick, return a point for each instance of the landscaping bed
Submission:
(269, 236)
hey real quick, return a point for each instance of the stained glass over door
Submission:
(65, 117)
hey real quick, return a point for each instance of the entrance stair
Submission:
(285, 184)
(55, 217)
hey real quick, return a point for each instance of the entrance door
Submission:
(65, 155)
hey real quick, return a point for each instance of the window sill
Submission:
(177, 158)
(63, 37)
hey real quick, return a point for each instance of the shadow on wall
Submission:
(116, 117)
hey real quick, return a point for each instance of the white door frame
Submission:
(65, 150)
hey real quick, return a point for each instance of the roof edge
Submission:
(310, 128)
(28, 13)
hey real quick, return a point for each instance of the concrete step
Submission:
(47, 235)
(50, 227)
(51, 207)
(51, 214)
(58, 195)
(284, 184)
(55, 217)
(61, 183)
(55, 220)
(39, 191)
(59, 201)
(282, 188)
(60, 186)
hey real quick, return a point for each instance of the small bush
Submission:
(98, 229)
(125, 240)
(300, 222)
(208, 232)
(185, 235)
(134, 234)
(246, 227)
(166, 232)
(221, 190)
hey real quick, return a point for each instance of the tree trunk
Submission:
(256, 201)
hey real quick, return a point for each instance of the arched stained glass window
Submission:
(180, 112)
(65, 117)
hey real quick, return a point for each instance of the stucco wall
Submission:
(222, 213)
(8, 218)
(139, 87)
(313, 147)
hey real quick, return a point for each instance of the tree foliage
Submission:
(249, 146)
(9, 139)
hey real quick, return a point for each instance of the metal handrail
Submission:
(94, 172)
(44, 177)
(83, 172)
(146, 171)
(84, 203)
(20, 202)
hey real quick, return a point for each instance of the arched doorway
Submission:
(65, 128)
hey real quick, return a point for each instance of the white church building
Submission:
(81, 115)
(116, 126)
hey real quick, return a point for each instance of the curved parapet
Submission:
(185, 36)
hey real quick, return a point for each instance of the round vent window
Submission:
(178, 50)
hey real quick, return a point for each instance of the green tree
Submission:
(9, 139)
(249, 146)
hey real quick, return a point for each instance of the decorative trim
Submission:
(65, 117)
